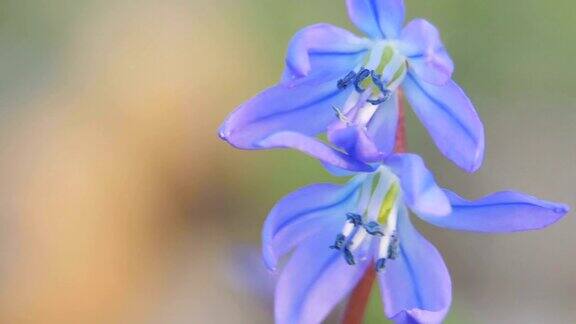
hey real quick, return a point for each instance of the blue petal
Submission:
(451, 120)
(314, 148)
(304, 213)
(427, 56)
(302, 106)
(338, 172)
(379, 19)
(370, 143)
(500, 212)
(321, 48)
(383, 125)
(420, 191)
(314, 281)
(416, 287)
(355, 141)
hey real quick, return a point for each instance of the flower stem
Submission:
(356, 307)
(401, 143)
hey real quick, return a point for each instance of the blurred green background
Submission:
(121, 205)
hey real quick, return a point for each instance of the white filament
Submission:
(365, 113)
(358, 239)
(384, 182)
(390, 230)
(348, 228)
(365, 194)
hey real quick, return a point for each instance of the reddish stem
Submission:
(356, 307)
(401, 142)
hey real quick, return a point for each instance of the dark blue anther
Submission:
(355, 219)
(361, 76)
(345, 82)
(340, 114)
(339, 243)
(393, 249)
(373, 228)
(377, 80)
(380, 264)
(348, 256)
(386, 94)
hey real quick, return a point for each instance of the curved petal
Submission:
(379, 19)
(355, 141)
(420, 42)
(314, 281)
(337, 172)
(500, 212)
(323, 47)
(370, 143)
(302, 214)
(314, 148)
(420, 191)
(415, 287)
(382, 127)
(302, 106)
(451, 120)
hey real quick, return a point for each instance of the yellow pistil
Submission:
(387, 56)
(388, 203)
(398, 73)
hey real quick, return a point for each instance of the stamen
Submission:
(361, 76)
(374, 229)
(354, 219)
(339, 242)
(354, 242)
(389, 242)
(380, 265)
(345, 82)
(356, 239)
(340, 114)
(393, 249)
(386, 94)
(365, 114)
(377, 80)
(348, 256)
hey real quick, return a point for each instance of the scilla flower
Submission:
(339, 231)
(347, 87)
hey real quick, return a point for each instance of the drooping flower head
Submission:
(339, 231)
(347, 87)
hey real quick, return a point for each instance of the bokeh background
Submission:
(119, 204)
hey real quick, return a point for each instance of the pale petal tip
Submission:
(446, 209)
(478, 159)
(224, 132)
(269, 259)
(561, 209)
(420, 316)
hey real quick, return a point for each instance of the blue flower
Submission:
(346, 87)
(338, 231)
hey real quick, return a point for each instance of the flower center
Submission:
(381, 73)
(375, 217)
(374, 82)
